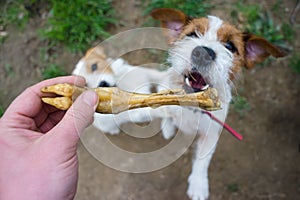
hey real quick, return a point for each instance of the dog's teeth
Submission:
(205, 87)
(187, 82)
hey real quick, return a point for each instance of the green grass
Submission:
(192, 8)
(294, 62)
(1, 111)
(2, 39)
(233, 187)
(8, 69)
(52, 71)
(288, 32)
(277, 7)
(15, 12)
(240, 105)
(77, 23)
(49, 65)
(260, 22)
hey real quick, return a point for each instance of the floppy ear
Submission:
(257, 49)
(98, 50)
(171, 19)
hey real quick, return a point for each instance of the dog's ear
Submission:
(257, 49)
(96, 51)
(171, 19)
(100, 51)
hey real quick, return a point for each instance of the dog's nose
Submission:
(202, 55)
(104, 84)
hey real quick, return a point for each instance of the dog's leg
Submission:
(110, 123)
(139, 115)
(106, 123)
(168, 128)
(198, 180)
(148, 114)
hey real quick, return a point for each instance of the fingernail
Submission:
(90, 98)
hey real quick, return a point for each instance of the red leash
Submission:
(226, 126)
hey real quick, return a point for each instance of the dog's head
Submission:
(209, 52)
(94, 66)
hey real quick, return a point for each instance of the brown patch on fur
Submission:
(97, 56)
(228, 33)
(200, 25)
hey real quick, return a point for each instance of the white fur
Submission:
(188, 120)
(92, 79)
(141, 81)
(141, 78)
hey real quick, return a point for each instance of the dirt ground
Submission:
(265, 165)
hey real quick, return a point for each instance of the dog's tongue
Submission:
(196, 81)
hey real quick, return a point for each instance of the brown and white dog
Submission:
(205, 52)
(101, 71)
(95, 67)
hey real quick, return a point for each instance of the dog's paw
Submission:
(139, 115)
(168, 128)
(106, 124)
(198, 188)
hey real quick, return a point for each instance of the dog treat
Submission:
(113, 100)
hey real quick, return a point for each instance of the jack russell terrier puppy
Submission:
(205, 52)
(101, 71)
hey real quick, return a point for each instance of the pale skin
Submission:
(38, 144)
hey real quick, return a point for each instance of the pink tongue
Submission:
(196, 81)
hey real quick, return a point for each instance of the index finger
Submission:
(29, 102)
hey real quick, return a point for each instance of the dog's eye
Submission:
(230, 46)
(192, 34)
(94, 67)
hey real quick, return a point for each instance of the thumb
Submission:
(78, 117)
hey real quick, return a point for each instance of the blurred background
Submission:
(41, 39)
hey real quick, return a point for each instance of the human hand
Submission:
(38, 144)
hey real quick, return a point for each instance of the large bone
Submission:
(113, 100)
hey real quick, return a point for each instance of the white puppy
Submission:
(100, 71)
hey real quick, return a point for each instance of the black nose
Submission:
(202, 55)
(103, 84)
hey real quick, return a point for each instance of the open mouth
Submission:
(195, 82)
